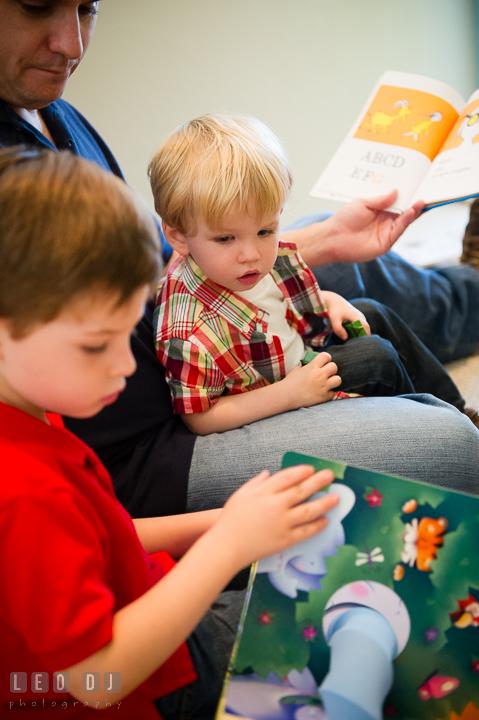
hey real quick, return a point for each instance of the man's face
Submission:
(41, 44)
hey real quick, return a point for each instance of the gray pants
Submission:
(416, 436)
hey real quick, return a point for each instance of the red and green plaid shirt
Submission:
(213, 342)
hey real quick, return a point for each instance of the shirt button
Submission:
(245, 327)
(269, 338)
(301, 275)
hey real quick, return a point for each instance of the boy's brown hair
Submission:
(216, 164)
(67, 227)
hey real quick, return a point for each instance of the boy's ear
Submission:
(176, 239)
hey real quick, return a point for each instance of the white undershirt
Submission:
(268, 297)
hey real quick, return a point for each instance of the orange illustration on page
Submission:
(408, 118)
(465, 132)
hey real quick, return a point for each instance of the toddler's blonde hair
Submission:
(217, 164)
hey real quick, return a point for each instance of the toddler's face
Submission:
(239, 253)
(75, 364)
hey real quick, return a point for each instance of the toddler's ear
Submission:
(176, 239)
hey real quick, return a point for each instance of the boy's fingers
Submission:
(308, 530)
(261, 477)
(323, 358)
(308, 512)
(310, 485)
(341, 332)
(364, 323)
(322, 505)
(331, 369)
(334, 381)
(290, 477)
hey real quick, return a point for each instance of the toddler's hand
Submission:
(340, 310)
(313, 383)
(268, 513)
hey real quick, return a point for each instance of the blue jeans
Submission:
(210, 647)
(440, 305)
(391, 361)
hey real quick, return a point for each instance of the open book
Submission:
(375, 617)
(414, 134)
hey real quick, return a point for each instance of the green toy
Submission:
(354, 329)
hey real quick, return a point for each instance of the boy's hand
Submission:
(268, 514)
(313, 383)
(340, 310)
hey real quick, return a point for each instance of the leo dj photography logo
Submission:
(59, 682)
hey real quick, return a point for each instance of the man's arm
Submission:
(360, 231)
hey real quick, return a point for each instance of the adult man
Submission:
(158, 466)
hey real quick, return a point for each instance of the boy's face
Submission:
(75, 364)
(238, 254)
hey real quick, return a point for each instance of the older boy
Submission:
(78, 254)
(239, 309)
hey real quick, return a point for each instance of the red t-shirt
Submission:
(70, 558)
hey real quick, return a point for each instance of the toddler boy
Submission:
(80, 595)
(239, 309)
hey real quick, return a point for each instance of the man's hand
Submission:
(340, 310)
(365, 230)
(360, 231)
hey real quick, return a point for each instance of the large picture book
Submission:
(414, 134)
(375, 617)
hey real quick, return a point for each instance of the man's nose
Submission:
(65, 34)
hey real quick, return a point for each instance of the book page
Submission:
(399, 131)
(385, 598)
(455, 171)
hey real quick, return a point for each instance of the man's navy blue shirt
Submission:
(71, 131)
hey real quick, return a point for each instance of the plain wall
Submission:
(305, 67)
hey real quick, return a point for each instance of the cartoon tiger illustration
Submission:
(422, 538)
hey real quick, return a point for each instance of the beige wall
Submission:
(305, 67)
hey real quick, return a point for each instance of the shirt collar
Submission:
(231, 307)
(53, 117)
(8, 115)
(24, 429)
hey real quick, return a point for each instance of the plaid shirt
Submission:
(213, 342)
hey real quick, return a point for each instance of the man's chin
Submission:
(52, 91)
(37, 95)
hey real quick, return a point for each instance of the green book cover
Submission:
(376, 617)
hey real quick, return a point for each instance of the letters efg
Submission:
(377, 158)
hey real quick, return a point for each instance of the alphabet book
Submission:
(375, 617)
(414, 134)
